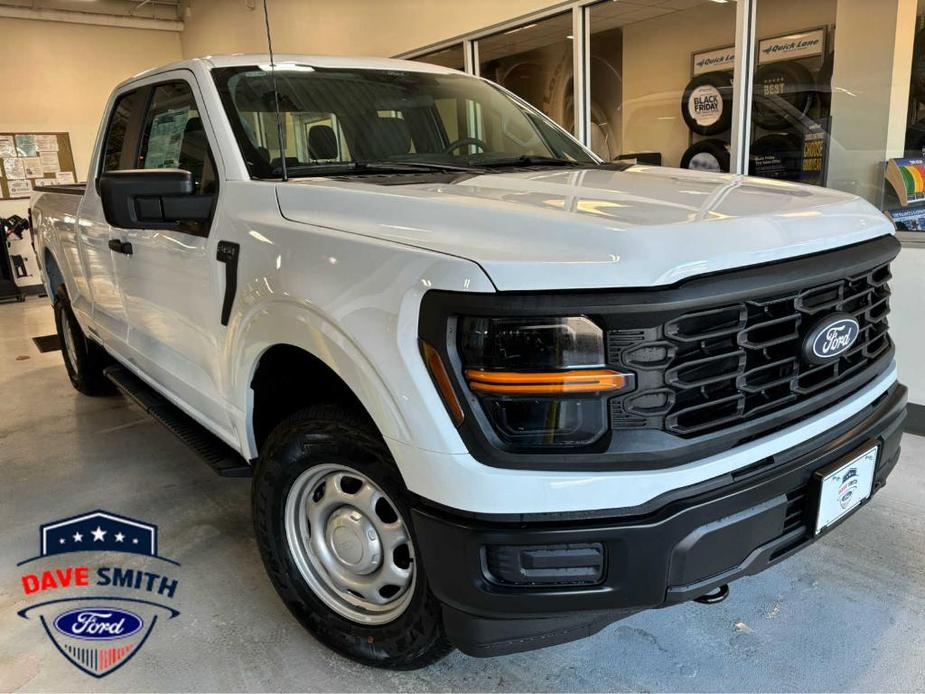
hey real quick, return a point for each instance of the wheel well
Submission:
(288, 379)
(53, 272)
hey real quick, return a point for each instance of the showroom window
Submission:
(452, 57)
(535, 62)
(661, 81)
(791, 115)
(173, 136)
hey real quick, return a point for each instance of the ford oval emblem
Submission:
(830, 338)
(98, 623)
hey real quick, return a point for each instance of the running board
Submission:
(216, 453)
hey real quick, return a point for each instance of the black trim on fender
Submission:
(646, 308)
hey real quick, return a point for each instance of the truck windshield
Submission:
(336, 119)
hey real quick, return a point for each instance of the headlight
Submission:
(540, 381)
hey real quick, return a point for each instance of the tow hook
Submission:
(715, 596)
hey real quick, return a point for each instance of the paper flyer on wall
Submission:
(63, 177)
(33, 167)
(50, 162)
(7, 146)
(13, 168)
(25, 145)
(46, 143)
(19, 189)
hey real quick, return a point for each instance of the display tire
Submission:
(783, 95)
(707, 155)
(917, 81)
(321, 435)
(778, 155)
(824, 82)
(915, 140)
(84, 359)
(713, 92)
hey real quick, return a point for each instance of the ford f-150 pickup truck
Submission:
(494, 393)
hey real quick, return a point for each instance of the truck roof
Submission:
(283, 59)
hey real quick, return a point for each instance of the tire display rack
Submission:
(790, 114)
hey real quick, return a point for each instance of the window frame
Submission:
(133, 137)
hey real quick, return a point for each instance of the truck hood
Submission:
(595, 228)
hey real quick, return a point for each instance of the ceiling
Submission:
(172, 10)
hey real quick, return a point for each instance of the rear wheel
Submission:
(83, 358)
(332, 523)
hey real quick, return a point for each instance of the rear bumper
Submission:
(712, 534)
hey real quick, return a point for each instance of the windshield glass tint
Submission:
(333, 117)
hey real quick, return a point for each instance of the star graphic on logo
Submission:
(78, 537)
(98, 534)
(119, 537)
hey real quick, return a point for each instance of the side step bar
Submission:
(216, 453)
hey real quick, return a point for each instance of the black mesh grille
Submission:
(718, 367)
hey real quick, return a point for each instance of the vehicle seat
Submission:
(194, 156)
(322, 142)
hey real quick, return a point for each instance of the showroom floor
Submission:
(846, 614)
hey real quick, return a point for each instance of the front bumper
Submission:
(711, 534)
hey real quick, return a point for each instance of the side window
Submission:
(115, 155)
(173, 136)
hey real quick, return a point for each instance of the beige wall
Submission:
(340, 27)
(58, 77)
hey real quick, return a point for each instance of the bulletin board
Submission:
(30, 160)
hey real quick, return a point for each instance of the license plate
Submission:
(843, 489)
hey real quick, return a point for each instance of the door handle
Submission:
(118, 246)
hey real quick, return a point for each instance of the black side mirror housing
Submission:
(153, 199)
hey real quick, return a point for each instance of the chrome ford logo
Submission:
(830, 338)
(98, 623)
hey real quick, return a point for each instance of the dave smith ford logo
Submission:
(832, 337)
(848, 487)
(98, 614)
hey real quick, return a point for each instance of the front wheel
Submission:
(332, 523)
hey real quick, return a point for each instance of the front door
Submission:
(169, 283)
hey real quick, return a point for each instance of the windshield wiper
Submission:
(531, 160)
(376, 167)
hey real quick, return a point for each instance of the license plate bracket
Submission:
(844, 485)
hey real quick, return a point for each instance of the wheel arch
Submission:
(293, 357)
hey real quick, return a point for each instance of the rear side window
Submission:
(173, 136)
(115, 154)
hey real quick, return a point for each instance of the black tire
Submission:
(824, 82)
(324, 434)
(917, 83)
(707, 155)
(783, 95)
(86, 363)
(707, 103)
(915, 140)
(777, 156)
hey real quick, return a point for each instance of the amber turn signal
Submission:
(442, 381)
(545, 383)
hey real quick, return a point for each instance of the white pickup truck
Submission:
(494, 393)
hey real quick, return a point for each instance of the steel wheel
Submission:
(350, 544)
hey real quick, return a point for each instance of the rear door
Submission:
(170, 284)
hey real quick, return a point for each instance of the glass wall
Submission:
(791, 113)
(661, 81)
(535, 62)
(451, 57)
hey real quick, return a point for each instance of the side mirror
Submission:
(152, 199)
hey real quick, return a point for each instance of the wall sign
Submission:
(804, 44)
(33, 160)
(711, 61)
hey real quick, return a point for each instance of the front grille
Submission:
(711, 369)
